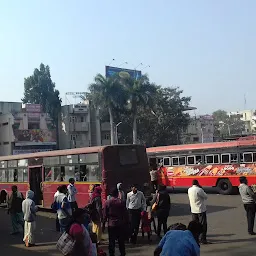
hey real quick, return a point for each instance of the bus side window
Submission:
(199, 160)
(182, 160)
(216, 159)
(254, 157)
(247, 157)
(3, 175)
(12, 175)
(83, 173)
(191, 160)
(225, 158)
(167, 161)
(234, 158)
(175, 161)
(94, 173)
(209, 159)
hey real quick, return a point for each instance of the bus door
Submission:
(35, 181)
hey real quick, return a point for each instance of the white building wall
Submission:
(6, 134)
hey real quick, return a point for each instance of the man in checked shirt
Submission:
(135, 203)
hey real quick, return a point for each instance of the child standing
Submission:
(146, 225)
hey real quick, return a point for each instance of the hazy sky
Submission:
(207, 47)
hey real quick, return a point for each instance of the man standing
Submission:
(154, 178)
(15, 210)
(63, 208)
(197, 198)
(72, 194)
(135, 203)
(116, 215)
(248, 199)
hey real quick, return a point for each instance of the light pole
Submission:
(116, 132)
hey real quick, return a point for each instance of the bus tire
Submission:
(224, 187)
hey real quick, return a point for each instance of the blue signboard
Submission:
(111, 71)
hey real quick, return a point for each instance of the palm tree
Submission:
(106, 92)
(140, 93)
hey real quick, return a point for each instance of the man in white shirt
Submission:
(197, 198)
(154, 178)
(135, 203)
(72, 194)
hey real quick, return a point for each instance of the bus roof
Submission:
(186, 147)
(54, 153)
(62, 152)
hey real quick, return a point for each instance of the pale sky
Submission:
(207, 47)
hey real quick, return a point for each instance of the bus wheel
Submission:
(224, 187)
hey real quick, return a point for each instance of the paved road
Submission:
(226, 218)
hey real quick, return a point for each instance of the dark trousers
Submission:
(74, 206)
(202, 219)
(135, 222)
(116, 233)
(250, 214)
(161, 221)
(57, 224)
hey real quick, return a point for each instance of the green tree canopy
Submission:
(159, 123)
(40, 89)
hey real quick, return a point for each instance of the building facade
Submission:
(80, 126)
(199, 130)
(249, 119)
(25, 129)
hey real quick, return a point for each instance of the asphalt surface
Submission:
(227, 230)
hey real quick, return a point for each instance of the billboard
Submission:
(33, 108)
(28, 151)
(122, 72)
(35, 137)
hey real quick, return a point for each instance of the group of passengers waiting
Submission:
(123, 214)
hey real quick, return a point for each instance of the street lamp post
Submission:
(117, 132)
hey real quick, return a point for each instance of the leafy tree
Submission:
(225, 125)
(159, 125)
(140, 96)
(40, 89)
(108, 94)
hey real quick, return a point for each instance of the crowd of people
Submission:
(124, 215)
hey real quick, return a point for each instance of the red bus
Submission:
(43, 172)
(218, 164)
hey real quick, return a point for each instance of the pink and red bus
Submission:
(218, 164)
(105, 165)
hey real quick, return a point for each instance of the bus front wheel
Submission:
(224, 187)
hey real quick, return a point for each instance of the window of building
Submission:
(72, 119)
(106, 136)
(73, 137)
(195, 139)
(5, 124)
(82, 119)
(6, 143)
(167, 161)
(225, 158)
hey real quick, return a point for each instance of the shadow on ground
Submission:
(179, 209)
